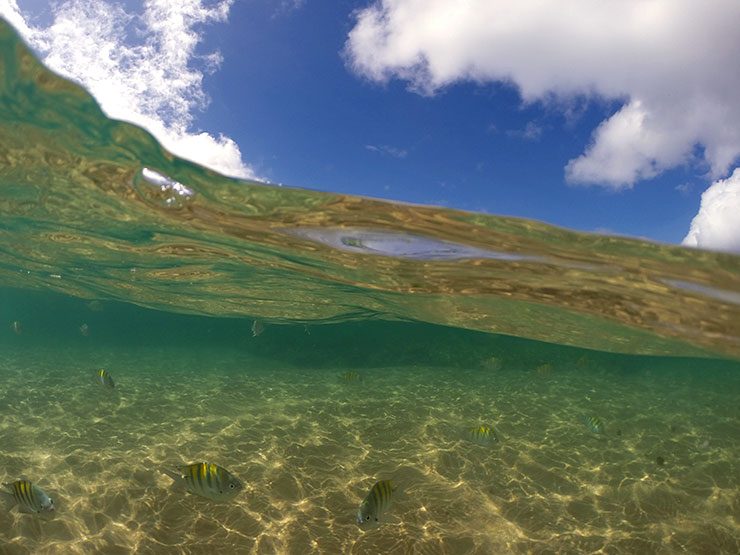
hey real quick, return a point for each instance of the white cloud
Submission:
(673, 63)
(141, 68)
(717, 225)
(285, 7)
(388, 150)
(684, 188)
(530, 132)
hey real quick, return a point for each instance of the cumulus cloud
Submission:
(672, 62)
(142, 68)
(717, 225)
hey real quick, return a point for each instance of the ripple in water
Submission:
(159, 190)
(403, 245)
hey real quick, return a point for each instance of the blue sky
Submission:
(332, 96)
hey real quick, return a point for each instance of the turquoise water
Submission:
(116, 255)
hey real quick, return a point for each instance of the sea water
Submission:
(116, 255)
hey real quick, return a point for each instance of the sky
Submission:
(618, 116)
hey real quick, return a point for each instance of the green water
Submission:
(116, 255)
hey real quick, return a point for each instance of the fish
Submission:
(85, 330)
(483, 435)
(544, 370)
(17, 327)
(377, 502)
(351, 376)
(95, 306)
(257, 328)
(29, 497)
(493, 363)
(208, 480)
(594, 424)
(104, 378)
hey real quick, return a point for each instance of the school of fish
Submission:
(216, 483)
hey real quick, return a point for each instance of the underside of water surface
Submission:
(313, 344)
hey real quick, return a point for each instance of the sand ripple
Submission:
(308, 446)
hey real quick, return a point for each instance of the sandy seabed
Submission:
(309, 445)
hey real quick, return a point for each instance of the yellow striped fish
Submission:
(351, 376)
(30, 497)
(376, 503)
(104, 378)
(210, 481)
(483, 435)
(594, 424)
(544, 370)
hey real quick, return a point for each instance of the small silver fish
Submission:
(483, 435)
(104, 378)
(377, 502)
(209, 480)
(30, 497)
(257, 328)
(85, 330)
(17, 327)
(594, 424)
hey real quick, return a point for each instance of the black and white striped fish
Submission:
(30, 497)
(209, 480)
(351, 377)
(594, 424)
(483, 435)
(104, 378)
(376, 503)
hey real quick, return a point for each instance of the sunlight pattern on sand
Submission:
(308, 445)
